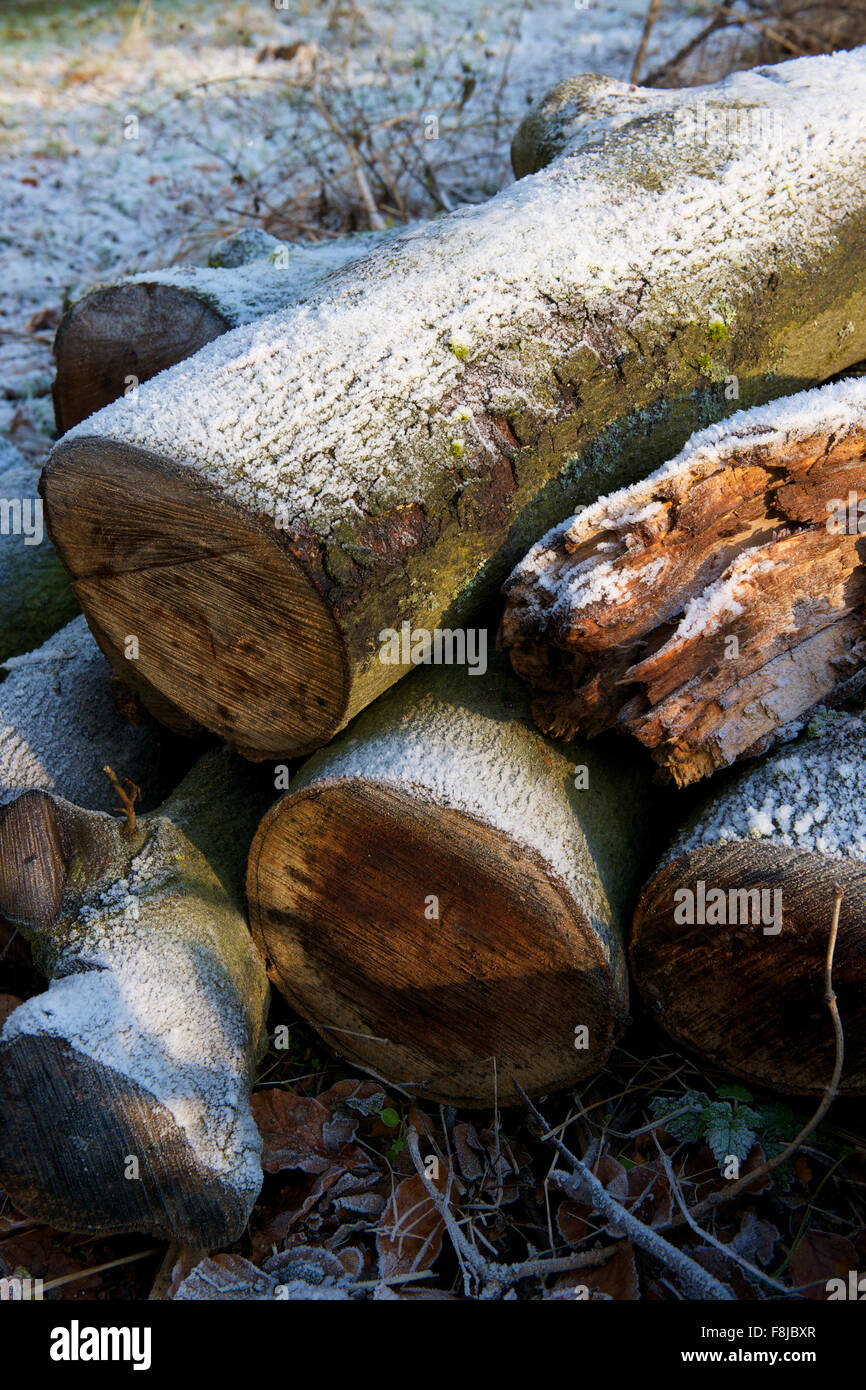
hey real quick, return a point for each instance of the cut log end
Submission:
(428, 947)
(228, 626)
(705, 608)
(746, 997)
(34, 859)
(118, 1162)
(125, 334)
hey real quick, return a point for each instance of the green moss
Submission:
(460, 350)
(457, 448)
(717, 331)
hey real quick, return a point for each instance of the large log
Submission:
(384, 452)
(442, 892)
(120, 335)
(63, 717)
(709, 607)
(125, 1088)
(36, 597)
(739, 976)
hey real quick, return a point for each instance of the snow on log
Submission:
(120, 335)
(709, 607)
(63, 718)
(442, 892)
(35, 594)
(125, 1088)
(731, 932)
(259, 514)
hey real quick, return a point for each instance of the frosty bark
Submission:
(750, 998)
(35, 595)
(62, 719)
(124, 1089)
(382, 454)
(123, 334)
(441, 901)
(708, 607)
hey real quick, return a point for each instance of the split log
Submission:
(710, 607)
(442, 893)
(125, 1088)
(261, 512)
(36, 597)
(63, 717)
(766, 852)
(123, 334)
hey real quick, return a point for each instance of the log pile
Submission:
(383, 453)
(331, 478)
(714, 604)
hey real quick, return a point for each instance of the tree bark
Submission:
(125, 1088)
(383, 453)
(712, 605)
(444, 903)
(121, 335)
(63, 718)
(749, 998)
(37, 597)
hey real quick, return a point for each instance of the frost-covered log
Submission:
(120, 335)
(35, 594)
(708, 607)
(442, 892)
(383, 453)
(63, 717)
(125, 1088)
(731, 932)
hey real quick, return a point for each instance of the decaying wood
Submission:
(258, 515)
(444, 905)
(125, 1088)
(120, 335)
(35, 594)
(63, 717)
(712, 605)
(756, 870)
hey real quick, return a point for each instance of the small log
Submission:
(709, 607)
(440, 900)
(766, 852)
(63, 717)
(121, 335)
(260, 513)
(36, 597)
(125, 1088)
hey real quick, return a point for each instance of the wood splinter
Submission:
(715, 604)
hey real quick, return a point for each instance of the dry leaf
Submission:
(817, 1257)
(410, 1231)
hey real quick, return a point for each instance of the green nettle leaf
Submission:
(728, 1130)
(687, 1127)
(389, 1117)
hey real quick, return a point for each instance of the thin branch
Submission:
(128, 799)
(652, 15)
(719, 1245)
(584, 1185)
